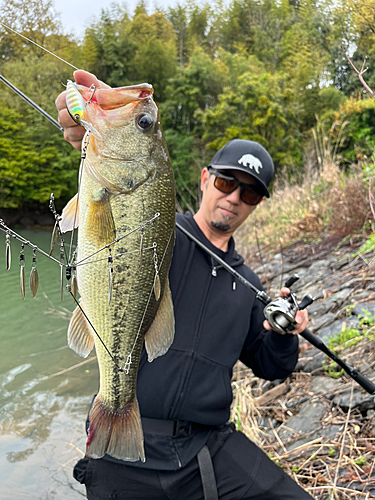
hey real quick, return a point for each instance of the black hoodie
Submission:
(218, 321)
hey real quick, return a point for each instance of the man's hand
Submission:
(73, 133)
(301, 316)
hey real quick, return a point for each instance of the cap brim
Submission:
(231, 167)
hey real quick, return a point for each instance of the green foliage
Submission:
(361, 461)
(333, 369)
(368, 246)
(347, 337)
(28, 174)
(258, 109)
(243, 69)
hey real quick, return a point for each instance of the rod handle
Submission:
(366, 384)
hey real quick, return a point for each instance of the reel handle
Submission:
(306, 301)
(290, 281)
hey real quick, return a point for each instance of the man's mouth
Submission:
(226, 212)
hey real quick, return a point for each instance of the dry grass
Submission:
(328, 468)
(326, 199)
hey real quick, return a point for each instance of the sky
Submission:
(76, 15)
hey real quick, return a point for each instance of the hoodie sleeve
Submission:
(269, 354)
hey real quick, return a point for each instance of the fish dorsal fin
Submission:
(160, 334)
(69, 218)
(80, 337)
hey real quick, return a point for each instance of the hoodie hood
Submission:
(187, 221)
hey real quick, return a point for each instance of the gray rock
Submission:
(358, 295)
(335, 328)
(314, 364)
(307, 420)
(363, 309)
(328, 432)
(321, 321)
(324, 385)
(320, 307)
(341, 295)
(360, 400)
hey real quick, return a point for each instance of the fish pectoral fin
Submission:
(80, 337)
(160, 335)
(100, 219)
(116, 432)
(69, 217)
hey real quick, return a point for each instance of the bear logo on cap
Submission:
(250, 161)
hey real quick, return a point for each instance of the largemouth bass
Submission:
(126, 212)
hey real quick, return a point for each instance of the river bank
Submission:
(318, 424)
(31, 220)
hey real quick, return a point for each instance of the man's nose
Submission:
(235, 196)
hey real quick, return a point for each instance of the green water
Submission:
(41, 414)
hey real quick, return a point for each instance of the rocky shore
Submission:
(319, 424)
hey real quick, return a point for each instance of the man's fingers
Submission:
(87, 79)
(302, 320)
(73, 133)
(60, 101)
(65, 120)
(266, 325)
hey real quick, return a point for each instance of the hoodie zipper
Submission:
(187, 377)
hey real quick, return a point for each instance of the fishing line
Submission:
(92, 326)
(85, 143)
(114, 256)
(119, 239)
(16, 236)
(40, 46)
(32, 103)
(128, 360)
(57, 222)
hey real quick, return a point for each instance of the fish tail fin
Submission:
(118, 433)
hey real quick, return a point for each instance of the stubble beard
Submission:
(221, 226)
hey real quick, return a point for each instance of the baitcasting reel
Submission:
(281, 312)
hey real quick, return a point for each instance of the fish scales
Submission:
(126, 182)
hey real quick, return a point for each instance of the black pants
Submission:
(242, 471)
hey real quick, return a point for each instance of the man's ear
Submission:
(205, 174)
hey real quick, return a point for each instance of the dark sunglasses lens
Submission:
(225, 185)
(249, 196)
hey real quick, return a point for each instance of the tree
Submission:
(28, 173)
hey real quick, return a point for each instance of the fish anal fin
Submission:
(100, 221)
(159, 336)
(116, 432)
(80, 337)
(69, 218)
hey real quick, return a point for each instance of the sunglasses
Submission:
(227, 185)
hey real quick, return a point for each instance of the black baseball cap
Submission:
(249, 157)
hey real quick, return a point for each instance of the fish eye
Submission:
(144, 121)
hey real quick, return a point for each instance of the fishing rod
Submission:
(32, 103)
(280, 313)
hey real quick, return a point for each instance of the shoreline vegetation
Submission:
(265, 70)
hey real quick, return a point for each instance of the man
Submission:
(185, 395)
